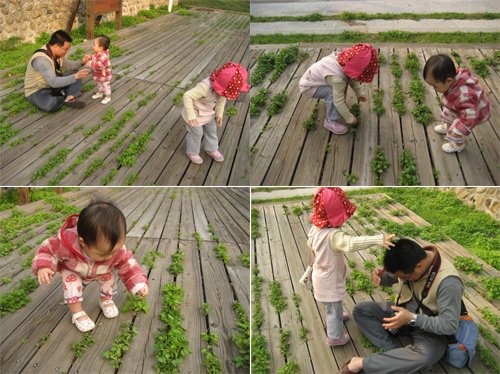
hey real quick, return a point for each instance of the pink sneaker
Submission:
(336, 127)
(216, 155)
(336, 342)
(195, 159)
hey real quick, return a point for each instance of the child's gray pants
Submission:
(426, 350)
(195, 133)
(334, 321)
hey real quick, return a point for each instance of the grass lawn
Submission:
(242, 6)
(351, 16)
(394, 36)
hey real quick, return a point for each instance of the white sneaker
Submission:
(97, 95)
(441, 129)
(106, 100)
(450, 148)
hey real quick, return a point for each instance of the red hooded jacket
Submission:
(466, 100)
(63, 251)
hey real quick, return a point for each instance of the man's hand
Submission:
(400, 319)
(353, 122)
(143, 292)
(377, 275)
(82, 74)
(362, 98)
(219, 121)
(193, 122)
(45, 275)
(387, 240)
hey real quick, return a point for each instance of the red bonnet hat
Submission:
(360, 62)
(230, 80)
(331, 207)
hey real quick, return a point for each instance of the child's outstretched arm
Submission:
(131, 274)
(340, 241)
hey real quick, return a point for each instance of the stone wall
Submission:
(486, 199)
(29, 18)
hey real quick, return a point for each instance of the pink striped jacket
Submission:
(101, 66)
(63, 251)
(466, 101)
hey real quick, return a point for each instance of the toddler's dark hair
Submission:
(101, 218)
(60, 37)
(441, 66)
(404, 256)
(103, 41)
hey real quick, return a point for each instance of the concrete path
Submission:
(373, 26)
(278, 194)
(265, 8)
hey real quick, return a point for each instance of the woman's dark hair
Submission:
(101, 218)
(103, 41)
(441, 67)
(59, 38)
(404, 256)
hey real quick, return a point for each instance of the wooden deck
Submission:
(281, 255)
(284, 153)
(157, 221)
(163, 57)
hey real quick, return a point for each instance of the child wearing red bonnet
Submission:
(328, 242)
(204, 107)
(328, 79)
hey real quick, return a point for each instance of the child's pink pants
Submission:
(73, 286)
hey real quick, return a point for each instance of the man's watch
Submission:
(413, 320)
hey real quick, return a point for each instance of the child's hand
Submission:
(143, 292)
(193, 122)
(86, 59)
(387, 241)
(219, 121)
(45, 275)
(362, 98)
(377, 275)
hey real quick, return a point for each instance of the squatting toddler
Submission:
(88, 247)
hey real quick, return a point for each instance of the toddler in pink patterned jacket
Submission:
(101, 66)
(465, 104)
(87, 248)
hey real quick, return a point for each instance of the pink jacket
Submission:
(466, 99)
(101, 65)
(329, 270)
(63, 251)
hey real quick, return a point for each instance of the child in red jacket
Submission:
(101, 66)
(87, 248)
(464, 102)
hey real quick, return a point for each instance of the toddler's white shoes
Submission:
(97, 95)
(83, 325)
(109, 308)
(450, 147)
(441, 129)
(106, 100)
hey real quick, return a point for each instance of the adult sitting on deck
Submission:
(428, 319)
(45, 86)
